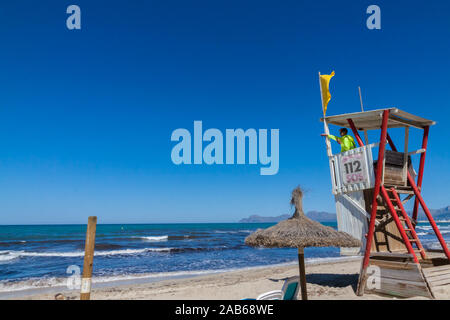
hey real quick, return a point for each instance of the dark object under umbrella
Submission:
(300, 232)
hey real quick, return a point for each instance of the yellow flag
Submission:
(324, 86)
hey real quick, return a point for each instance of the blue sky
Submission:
(86, 116)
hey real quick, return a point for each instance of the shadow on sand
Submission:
(330, 280)
(333, 280)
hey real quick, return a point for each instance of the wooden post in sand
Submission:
(301, 265)
(88, 259)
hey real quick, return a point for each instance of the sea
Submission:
(44, 257)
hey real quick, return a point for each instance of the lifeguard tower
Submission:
(370, 195)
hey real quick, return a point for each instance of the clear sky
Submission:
(86, 115)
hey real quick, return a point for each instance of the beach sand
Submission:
(335, 280)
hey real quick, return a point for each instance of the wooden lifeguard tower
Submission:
(370, 197)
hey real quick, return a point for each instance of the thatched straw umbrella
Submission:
(300, 232)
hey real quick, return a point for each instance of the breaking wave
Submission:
(155, 238)
(10, 255)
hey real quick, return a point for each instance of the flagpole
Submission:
(360, 99)
(325, 125)
(366, 137)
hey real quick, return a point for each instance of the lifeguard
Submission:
(346, 141)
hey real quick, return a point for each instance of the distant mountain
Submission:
(438, 214)
(321, 216)
(315, 215)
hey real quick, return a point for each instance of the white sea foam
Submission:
(34, 283)
(433, 245)
(424, 228)
(233, 231)
(155, 238)
(10, 255)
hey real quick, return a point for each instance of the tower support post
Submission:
(355, 132)
(421, 167)
(376, 192)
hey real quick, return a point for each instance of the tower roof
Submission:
(370, 120)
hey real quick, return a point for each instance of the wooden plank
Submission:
(401, 293)
(367, 115)
(405, 122)
(391, 255)
(405, 274)
(406, 200)
(408, 115)
(376, 126)
(393, 182)
(394, 265)
(436, 269)
(401, 282)
(436, 272)
(404, 289)
(443, 266)
(368, 125)
(395, 157)
(440, 283)
(393, 174)
(405, 191)
(438, 277)
(416, 152)
(436, 250)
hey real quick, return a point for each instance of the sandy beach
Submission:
(335, 280)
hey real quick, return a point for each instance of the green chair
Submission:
(289, 291)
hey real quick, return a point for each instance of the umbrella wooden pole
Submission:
(301, 265)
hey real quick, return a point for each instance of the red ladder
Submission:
(410, 228)
(403, 232)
